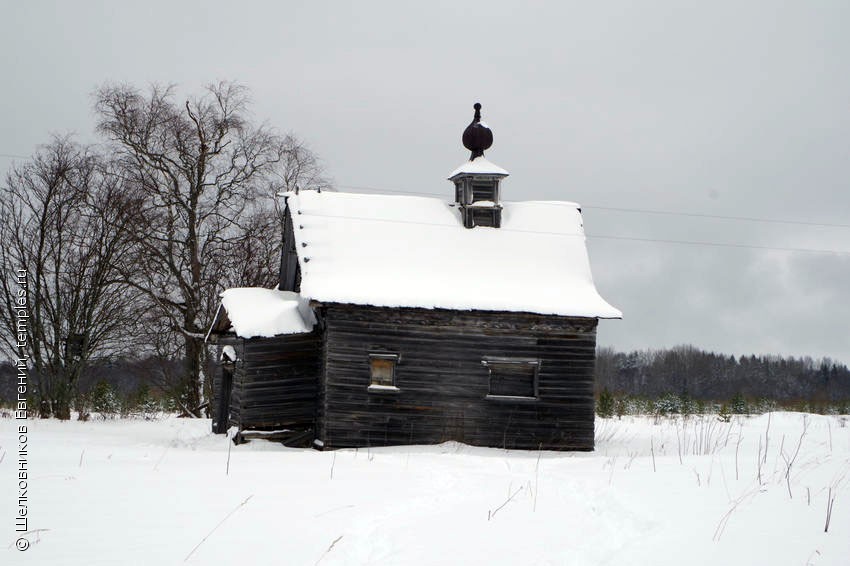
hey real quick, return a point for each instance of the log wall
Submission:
(275, 382)
(443, 385)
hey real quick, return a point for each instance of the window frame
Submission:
(382, 387)
(493, 362)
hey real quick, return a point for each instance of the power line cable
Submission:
(719, 216)
(595, 207)
(642, 210)
(597, 236)
(361, 188)
(720, 244)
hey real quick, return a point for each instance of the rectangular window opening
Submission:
(512, 378)
(483, 190)
(382, 372)
(486, 217)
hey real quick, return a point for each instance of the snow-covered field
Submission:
(695, 491)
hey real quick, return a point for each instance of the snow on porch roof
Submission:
(255, 311)
(404, 251)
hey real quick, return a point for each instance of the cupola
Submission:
(477, 180)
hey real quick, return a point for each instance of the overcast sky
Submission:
(718, 108)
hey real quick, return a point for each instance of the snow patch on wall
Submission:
(228, 354)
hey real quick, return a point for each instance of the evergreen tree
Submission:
(605, 404)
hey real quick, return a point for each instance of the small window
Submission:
(487, 217)
(382, 372)
(512, 378)
(483, 190)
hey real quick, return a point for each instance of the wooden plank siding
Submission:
(275, 382)
(443, 383)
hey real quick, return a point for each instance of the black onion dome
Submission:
(477, 137)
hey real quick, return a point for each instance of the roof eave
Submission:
(477, 174)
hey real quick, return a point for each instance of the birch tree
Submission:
(62, 213)
(206, 177)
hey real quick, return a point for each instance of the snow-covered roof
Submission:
(405, 251)
(255, 311)
(478, 165)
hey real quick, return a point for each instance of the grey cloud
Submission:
(723, 108)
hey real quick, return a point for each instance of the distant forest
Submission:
(689, 372)
(666, 379)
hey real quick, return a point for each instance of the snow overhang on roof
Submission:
(479, 165)
(255, 311)
(403, 251)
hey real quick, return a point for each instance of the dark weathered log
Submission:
(443, 384)
(321, 380)
(274, 383)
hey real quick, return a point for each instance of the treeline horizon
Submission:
(689, 372)
(679, 375)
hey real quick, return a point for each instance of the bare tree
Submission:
(62, 214)
(206, 177)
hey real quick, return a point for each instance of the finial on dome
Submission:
(477, 137)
